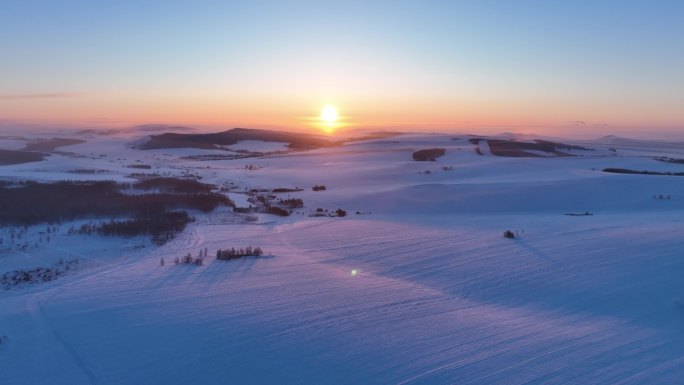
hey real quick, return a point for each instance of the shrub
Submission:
(509, 234)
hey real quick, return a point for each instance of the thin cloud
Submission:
(578, 122)
(47, 95)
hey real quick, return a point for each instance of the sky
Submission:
(549, 66)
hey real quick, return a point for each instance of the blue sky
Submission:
(383, 63)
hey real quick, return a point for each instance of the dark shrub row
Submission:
(233, 253)
(287, 190)
(627, 171)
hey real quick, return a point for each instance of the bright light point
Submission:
(329, 114)
(354, 272)
(329, 120)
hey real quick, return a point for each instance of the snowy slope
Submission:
(423, 290)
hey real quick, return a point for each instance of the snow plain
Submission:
(419, 287)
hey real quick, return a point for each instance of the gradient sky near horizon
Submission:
(542, 66)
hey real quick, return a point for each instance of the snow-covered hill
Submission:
(416, 285)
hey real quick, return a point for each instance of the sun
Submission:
(329, 119)
(329, 114)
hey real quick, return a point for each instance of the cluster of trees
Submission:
(174, 185)
(318, 187)
(162, 226)
(8, 157)
(210, 157)
(266, 203)
(233, 253)
(88, 171)
(142, 175)
(38, 274)
(292, 203)
(513, 148)
(430, 154)
(264, 199)
(287, 190)
(31, 203)
(628, 171)
(188, 259)
(275, 210)
(327, 213)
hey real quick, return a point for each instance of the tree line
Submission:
(234, 253)
(30, 203)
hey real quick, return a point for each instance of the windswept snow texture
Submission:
(418, 287)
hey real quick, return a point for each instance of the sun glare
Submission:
(329, 120)
(329, 114)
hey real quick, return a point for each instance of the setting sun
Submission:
(329, 114)
(329, 118)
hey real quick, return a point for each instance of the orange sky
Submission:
(546, 67)
(403, 113)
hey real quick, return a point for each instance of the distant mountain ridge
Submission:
(295, 140)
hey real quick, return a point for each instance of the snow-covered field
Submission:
(416, 285)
